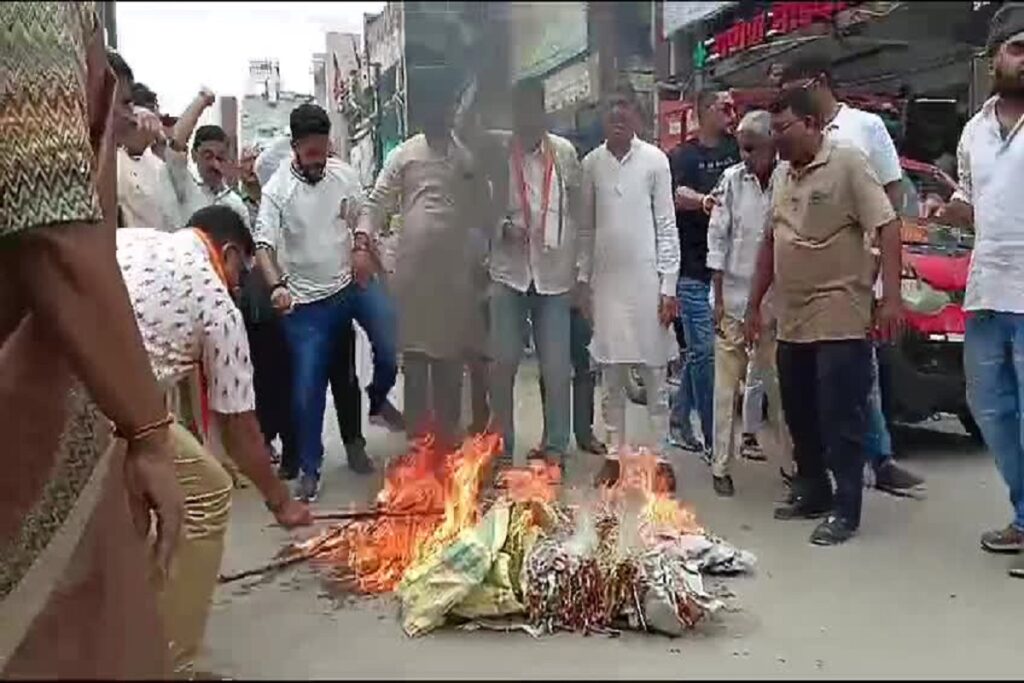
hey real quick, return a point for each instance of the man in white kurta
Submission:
(631, 260)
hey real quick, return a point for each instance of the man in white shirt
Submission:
(145, 195)
(210, 154)
(630, 259)
(533, 264)
(322, 279)
(180, 287)
(866, 132)
(991, 162)
(735, 231)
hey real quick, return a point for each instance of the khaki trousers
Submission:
(186, 596)
(731, 358)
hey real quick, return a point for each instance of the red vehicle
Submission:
(922, 375)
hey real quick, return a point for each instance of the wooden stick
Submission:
(262, 569)
(369, 514)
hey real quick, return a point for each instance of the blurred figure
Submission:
(180, 286)
(322, 279)
(735, 230)
(630, 260)
(145, 194)
(76, 597)
(696, 167)
(430, 179)
(991, 159)
(826, 206)
(867, 133)
(533, 267)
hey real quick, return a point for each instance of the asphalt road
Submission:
(911, 596)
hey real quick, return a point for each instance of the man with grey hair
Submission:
(735, 230)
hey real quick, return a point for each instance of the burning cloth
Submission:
(623, 555)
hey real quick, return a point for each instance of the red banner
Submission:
(783, 17)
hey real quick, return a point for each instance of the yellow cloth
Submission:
(188, 592)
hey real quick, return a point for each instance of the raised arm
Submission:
(188, 121)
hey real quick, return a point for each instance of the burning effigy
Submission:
(624, 554)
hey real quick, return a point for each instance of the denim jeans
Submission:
(697, 382)
(584, 379)
(824, 388)
(878, 444)
(994, 364)
(314, 333)
(550, 318)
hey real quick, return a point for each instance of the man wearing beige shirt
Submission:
(824, 205)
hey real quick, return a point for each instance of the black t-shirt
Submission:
(698, 167)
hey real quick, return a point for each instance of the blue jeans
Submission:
(994, 364)
(697, 382)
(550, 318)
(878, 442)
(314, 333)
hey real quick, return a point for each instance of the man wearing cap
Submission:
(990, 157)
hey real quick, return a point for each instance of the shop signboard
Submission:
(545, 35)
(571, 84)
(679, 15)
(779, 19)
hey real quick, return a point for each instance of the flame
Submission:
(428, 498)
(641, 473)
(537, 482)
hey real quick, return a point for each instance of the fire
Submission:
(428, 498)
(641, 473)
(537, 482)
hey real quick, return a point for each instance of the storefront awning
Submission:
(679, 15)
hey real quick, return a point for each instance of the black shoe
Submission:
(832, 531)
(892, 478)
(358, 461)
(592, 445)
(388, 416)
(724, 486)
(751, 449)
(805, 502)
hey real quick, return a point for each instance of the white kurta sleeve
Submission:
(963, 166)
(587, 223)
(666, 234)
(267, 232)
(383, 198)
(720, 224)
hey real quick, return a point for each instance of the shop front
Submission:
(913, 63)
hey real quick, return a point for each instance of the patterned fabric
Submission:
(186, 315)
(46, 159)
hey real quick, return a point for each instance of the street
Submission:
(912, 596)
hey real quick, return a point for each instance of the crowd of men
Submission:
(773, 244)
